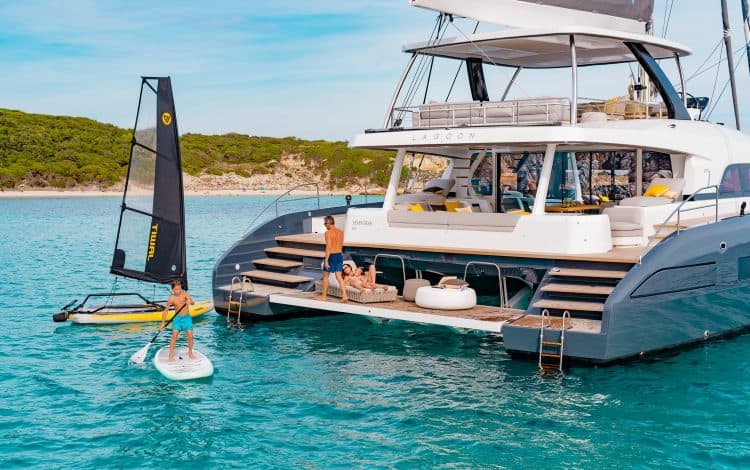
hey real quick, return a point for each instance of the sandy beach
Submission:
(68, 193)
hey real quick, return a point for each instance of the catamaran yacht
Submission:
(593, 230)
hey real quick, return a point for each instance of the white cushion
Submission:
(645, 201)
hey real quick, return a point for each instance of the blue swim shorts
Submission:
(182, 323)
(335, 263)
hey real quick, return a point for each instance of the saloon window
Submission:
(736, 181)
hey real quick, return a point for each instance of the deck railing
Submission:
(529, 112)
(280, 200)
(679, 210)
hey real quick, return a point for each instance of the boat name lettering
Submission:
(152, 241)
(362, 222)
(441, 136)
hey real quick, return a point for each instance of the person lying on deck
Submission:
(359, 280)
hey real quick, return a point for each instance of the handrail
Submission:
(678, 210)
(501, 281)
(388, 255)
(275, 202)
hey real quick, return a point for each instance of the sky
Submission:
(324, 69)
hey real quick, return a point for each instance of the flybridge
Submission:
(631, 16)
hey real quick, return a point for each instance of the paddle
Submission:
(140, 356)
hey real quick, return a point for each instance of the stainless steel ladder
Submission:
(235, 306)
(547, 363)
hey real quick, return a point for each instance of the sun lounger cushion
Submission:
(673, 193)
(366, 296)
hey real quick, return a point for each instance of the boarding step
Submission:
(578, 289)
(303, 238)
(277, 263)
(300, 252)
(593, 273)
(578, 306)
(276, 277)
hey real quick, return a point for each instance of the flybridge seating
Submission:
(527, 112)
(476, 113)
(570, 47)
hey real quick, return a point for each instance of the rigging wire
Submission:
(716, 79)
(432, 62)
(438, 32)
(742, 56)
(490, 61)
(458, 70)
(413, 82)
(667, 17)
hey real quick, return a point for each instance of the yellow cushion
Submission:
(519, 211)
(463, 209)
(451, 206)
(416, 208)
(656, 190)
(603, 198)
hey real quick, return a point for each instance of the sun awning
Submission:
(537, 48)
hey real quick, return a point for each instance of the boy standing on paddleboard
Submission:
(180, 300)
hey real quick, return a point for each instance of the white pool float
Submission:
(445, 299)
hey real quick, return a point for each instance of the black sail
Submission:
(150, 242)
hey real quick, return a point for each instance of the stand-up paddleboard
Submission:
(183, 368)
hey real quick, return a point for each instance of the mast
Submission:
(730, 60)
(150, 243)
(746, 28)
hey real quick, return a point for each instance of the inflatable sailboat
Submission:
(150, 244)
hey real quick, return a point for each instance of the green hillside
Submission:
(64, 152)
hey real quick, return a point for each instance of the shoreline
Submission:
(74, 193)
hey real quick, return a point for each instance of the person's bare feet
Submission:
(344, 300)
(321, 298)
(191, 355)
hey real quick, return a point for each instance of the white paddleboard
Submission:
(182, 367)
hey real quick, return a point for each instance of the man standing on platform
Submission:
(334, 259)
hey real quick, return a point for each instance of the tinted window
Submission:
(736, 181)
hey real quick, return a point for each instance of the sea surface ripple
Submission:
(327, 392)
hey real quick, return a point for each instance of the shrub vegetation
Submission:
(64, 152)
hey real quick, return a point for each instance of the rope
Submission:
(112, 290)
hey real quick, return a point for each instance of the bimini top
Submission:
(549, 48)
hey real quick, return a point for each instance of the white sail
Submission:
(622, 15)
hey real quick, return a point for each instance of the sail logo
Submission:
(152, 242)
(166, 118)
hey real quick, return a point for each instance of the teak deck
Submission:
(555, 323)
(481, 317)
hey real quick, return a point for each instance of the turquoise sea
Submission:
(330, 392)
